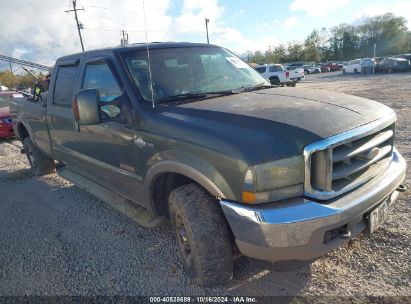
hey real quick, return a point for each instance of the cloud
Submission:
(317, 7)
(402, 8)
(291, 22)
(42, 33)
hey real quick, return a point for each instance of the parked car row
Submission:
(278, 75)
(397, 63)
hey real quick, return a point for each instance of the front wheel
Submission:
(203, 240)
(40, 163)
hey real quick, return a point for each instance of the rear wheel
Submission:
(344, 71)
(355, 71)
(275, 81)
(203, 240)
(40, 163)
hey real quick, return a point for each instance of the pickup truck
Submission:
(191, 134)
(277, 75)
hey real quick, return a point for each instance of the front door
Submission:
(107, 150)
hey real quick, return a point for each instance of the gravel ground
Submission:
(56, 239)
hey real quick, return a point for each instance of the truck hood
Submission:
(279, 120)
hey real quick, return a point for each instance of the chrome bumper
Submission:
(302, 229)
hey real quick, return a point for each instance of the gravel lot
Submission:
(56, 239)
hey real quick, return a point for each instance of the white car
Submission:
(276, 74)
(363, 65)
(296, 73)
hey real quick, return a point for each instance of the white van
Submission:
(363, 65)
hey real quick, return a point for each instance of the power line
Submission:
(79, 25)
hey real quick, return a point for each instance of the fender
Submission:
(190, 166)
(168, 166)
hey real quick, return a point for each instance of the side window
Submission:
(274, 68)
(260, 69)
(99, 76)
(63, 89)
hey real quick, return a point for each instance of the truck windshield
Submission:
(189, 70)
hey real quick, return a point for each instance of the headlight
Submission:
(273, 181)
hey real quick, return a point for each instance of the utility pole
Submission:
(206, 22)
(124, 40)
(373, 66)
(79, 25)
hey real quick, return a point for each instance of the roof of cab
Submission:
(138, 46)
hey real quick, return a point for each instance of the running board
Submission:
(132, 210)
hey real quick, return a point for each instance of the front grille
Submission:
(345, 161)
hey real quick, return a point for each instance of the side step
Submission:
(135, 212)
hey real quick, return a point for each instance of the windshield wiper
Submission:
(249, 88)
(182, 97)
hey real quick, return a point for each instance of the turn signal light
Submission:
(249, 197)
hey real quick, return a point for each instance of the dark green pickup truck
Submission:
(190, 133)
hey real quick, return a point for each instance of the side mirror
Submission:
(85, 107)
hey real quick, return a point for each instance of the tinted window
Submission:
(100, 77)
(63, 89)
(261, 69)
(275, 68)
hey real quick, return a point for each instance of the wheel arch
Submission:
(22, 131)
(168, 175)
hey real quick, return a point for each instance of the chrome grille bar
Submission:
(338, 164)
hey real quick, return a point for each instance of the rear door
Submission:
(59, 115)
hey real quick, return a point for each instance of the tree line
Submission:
(343, 42)
(19, 81)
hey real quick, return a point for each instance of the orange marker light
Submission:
(249, 197)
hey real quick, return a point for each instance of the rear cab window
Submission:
(260, 69)
(275, 68)
(64, 85)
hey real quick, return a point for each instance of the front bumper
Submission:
(301, 228)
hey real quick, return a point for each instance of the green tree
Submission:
(311, 50)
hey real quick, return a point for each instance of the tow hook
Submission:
(346, 234)
(401, 188)
(22, 151)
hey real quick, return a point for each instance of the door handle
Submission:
(139, 142)
(51, 119)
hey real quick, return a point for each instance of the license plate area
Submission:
(377, 216)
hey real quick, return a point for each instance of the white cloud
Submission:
(402, 8)
(317, 7)
(291, 22)
(42, 33)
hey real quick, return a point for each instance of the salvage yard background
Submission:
(56, 239)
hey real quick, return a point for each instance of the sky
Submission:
(41, 30)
